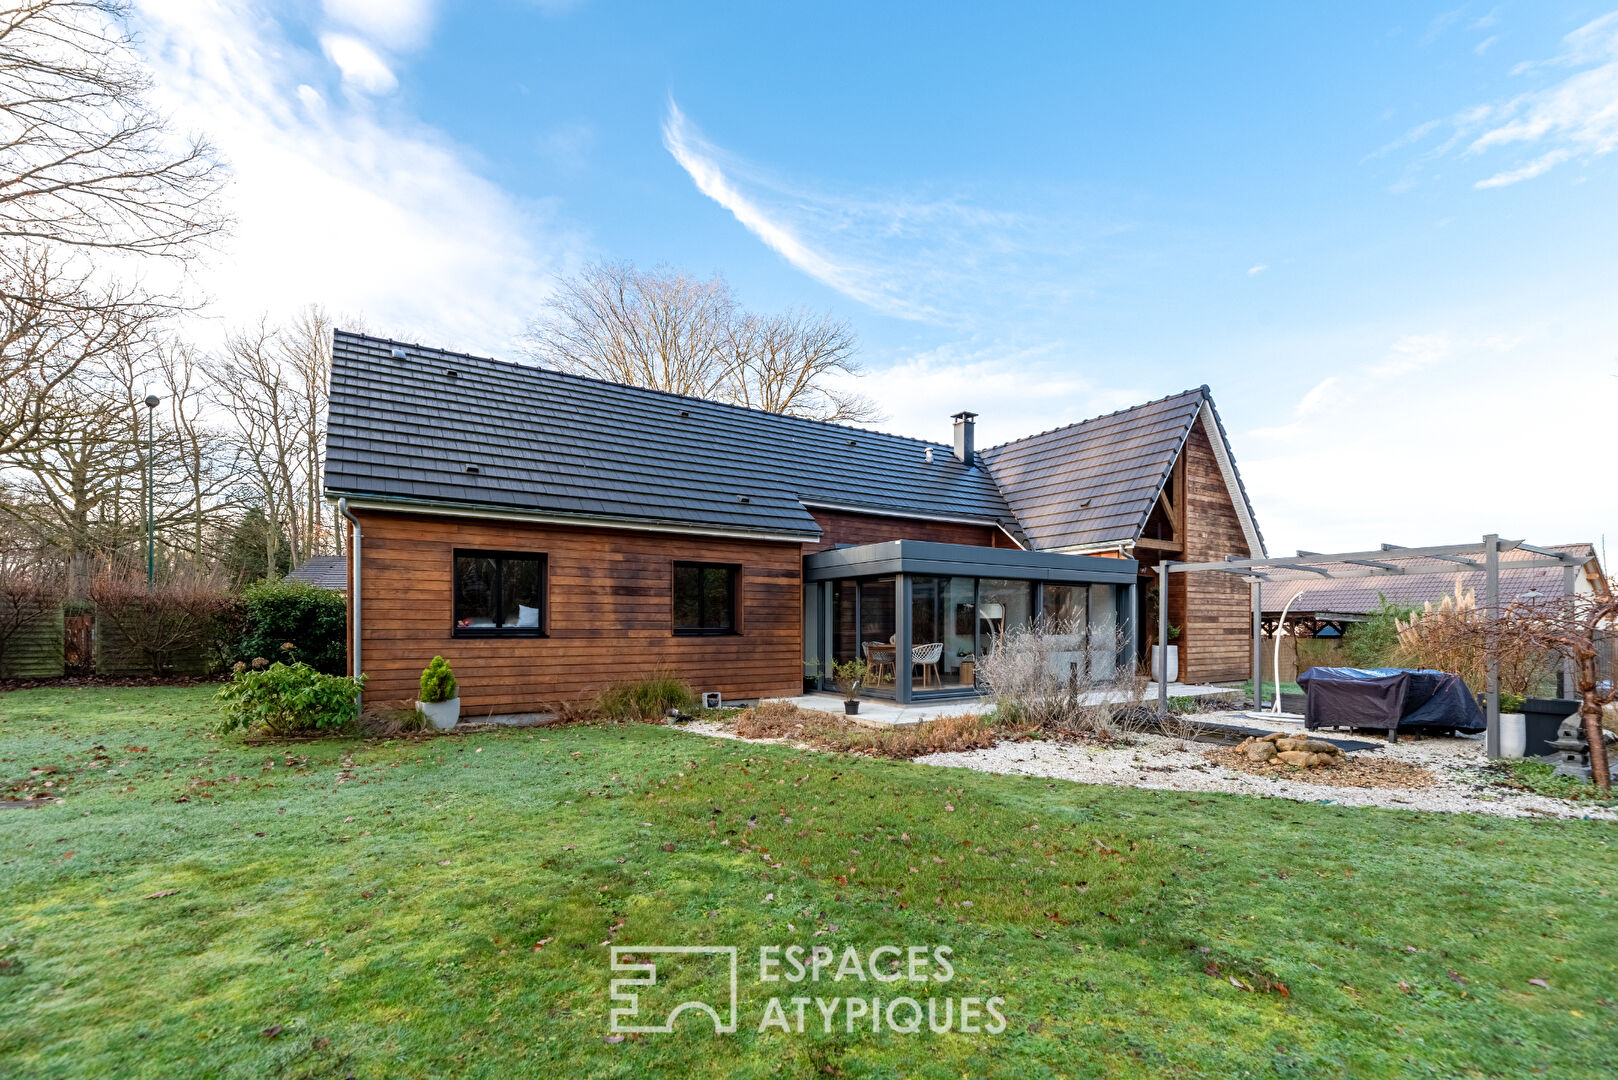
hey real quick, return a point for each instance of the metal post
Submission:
(1161, 659)
(1491, 577)
(901, 639)
(827, 613)
(151, 480)
(1257, 587)
(1132, 613)
(1564, 674)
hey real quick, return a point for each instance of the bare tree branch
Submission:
(666, 330)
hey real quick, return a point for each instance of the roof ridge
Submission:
(750, 410)
(1202, 390)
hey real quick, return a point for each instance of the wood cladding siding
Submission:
(609, 614)
(1216, 642)
(842, 527)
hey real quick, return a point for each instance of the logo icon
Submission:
(627, 958)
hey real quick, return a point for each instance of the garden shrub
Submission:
(645, 699)
(314, 621)
(289, 699)
(1371, 644)
(167, 622)
(438, 682)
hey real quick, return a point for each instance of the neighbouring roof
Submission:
(326, 571)
(406, 421)
(1359, 596)
(1095, 482)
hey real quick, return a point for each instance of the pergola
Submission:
(1387, 561)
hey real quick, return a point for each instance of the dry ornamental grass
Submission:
(828, 731)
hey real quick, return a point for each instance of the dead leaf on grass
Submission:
(159, 894)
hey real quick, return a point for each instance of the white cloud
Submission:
(384, 219)
(362, 68)
(1413, 352)
(939, 259)
(1254, 271)
(1015, 390)
(398, 24)
(702, 161)
(1573, 119)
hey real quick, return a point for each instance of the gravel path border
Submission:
(1158, 761)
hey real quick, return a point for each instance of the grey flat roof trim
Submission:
(506, 513)
(965, 560)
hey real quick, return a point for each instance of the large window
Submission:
(704, 598)
(499, 594)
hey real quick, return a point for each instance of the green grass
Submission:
(1269, 689)
(1531, 774)
(385, 922)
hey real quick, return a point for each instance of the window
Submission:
(499, 594)
(704, 598)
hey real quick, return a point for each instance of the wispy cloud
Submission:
(705, 164)
(1254, 271)
(368, 213)
(362, 68)
(1574, 118)
(940, 259)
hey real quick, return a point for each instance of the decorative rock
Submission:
(1301, 758)
(1258, 750)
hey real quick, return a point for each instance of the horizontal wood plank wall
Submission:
(609, 614)
(841, 527)
(1216, 643)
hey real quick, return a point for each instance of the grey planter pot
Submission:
(441, 714)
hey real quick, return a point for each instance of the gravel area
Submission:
(1157, 761)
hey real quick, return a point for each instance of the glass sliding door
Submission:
(1003, 606)
(1104, 643)
(878, 610)
(942, 618)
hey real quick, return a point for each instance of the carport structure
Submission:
(1387, 561)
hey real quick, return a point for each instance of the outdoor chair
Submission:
(879, 657)
(926, 658)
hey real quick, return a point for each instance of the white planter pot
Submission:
(1513, 735)
(1173, 652)
(442, 714)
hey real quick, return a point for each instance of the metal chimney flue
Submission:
(964, 451)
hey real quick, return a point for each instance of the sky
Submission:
(1385, 235)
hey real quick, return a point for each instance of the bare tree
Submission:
(274, 381)
(91, 185)
(661, 328)
(785, 363)
(1572, 627)
(204, 458)
(666, 330)
(85, 162)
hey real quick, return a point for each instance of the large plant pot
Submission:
(441, 714)
(1543, 718)
(1513, 735)
(1173, 652)
(851, 708)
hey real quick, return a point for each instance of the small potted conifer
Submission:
(440, 699)
(847, 676)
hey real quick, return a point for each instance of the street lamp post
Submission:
(151, 553)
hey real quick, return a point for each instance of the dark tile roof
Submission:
(1096, 481)
(326, 571)
(403, 427)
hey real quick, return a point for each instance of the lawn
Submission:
(374, 909)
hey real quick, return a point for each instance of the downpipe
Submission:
(355, 598)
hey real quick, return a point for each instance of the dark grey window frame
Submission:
(542, 630)
(734, 571)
